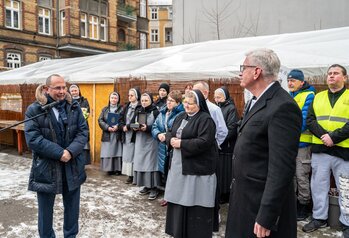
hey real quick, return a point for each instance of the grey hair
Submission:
(192, 94)
(49, 78)
(203, 84)
(267, 59)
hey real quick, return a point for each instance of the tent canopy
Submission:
(313, 52)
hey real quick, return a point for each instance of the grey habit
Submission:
(145, 158)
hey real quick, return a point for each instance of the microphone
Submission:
(49, 106)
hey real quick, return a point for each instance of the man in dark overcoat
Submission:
(262, 200)
(57, 139)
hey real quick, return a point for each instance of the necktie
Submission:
(248, 106)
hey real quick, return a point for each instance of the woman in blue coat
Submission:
(163, 124)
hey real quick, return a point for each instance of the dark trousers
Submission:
(71, 202)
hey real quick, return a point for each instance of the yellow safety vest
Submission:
(300, 98)
(331, 118)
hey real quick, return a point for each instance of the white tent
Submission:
(311, 51)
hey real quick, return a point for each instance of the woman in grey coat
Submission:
(111, 148)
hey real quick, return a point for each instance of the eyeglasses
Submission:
(59, 88)
(188, 103)
(243, 67)
(171, 100)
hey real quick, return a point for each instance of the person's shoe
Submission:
(314, 224)
(163, 203)
(117, 173)
(345, 231)
(302, 212)
(144, 191)
(111, 172)
(129, 180)
(153, 194)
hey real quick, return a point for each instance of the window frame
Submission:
(44, 58)
(166, 35)
(143, 8)
(86, 35)
(154, 36)
(62, 23)
(14, 62)
(12, 10)
(45, 20)
(93, 27)
(154, 13)
(103, 37)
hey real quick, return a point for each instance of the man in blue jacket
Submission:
(57, 139)
(303, 94)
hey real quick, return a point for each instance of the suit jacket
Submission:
(264, 163)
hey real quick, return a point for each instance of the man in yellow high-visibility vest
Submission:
(303, 93)
(328, 120)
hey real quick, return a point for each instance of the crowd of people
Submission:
(272, 164)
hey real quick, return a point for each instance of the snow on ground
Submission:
(109, 207)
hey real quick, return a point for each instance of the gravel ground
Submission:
(109, 207)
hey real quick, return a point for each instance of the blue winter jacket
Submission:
(305, 88)
(159, 127)
(46, 174)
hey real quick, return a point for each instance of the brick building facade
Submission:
(36, 30)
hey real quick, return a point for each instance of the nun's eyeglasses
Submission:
(188, 103)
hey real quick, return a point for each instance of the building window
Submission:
(93, 20)
(93, 27)
(47, 3)
(154, 13)
(12, 13)
(143, 8)
(170, 13)
(104, 9)
(83, 25)
(43, 58)
(13, 60)
(62, 23)
(103, 29)
(121, 35)
(44, 21)
(168, 36)
(142, 41)
(154, 35)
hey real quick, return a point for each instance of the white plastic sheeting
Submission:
(311, 51)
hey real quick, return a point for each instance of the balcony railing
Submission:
(126, 12)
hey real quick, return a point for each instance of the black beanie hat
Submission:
(165, 86)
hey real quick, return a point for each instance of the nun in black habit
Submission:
(225, 162)
(191, 182)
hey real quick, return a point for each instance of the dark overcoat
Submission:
(264, 163)
(41, 136)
